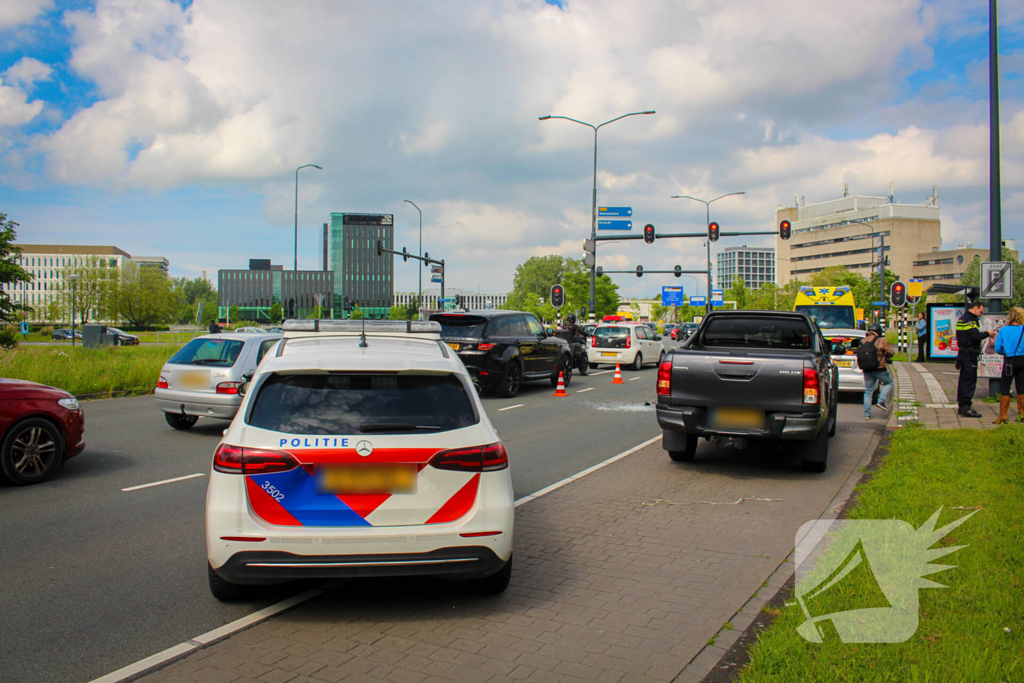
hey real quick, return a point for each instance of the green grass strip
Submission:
(94, 371)
(961, 634)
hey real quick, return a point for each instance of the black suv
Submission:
(502, 349)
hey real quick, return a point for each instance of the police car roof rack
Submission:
(364, 327)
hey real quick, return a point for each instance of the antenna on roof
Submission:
(362, 337)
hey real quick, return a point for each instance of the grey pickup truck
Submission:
(750, 375)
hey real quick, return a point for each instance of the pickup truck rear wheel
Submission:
(688, 452)
(814, 456)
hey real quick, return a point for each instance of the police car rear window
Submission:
(221, 353)
(361, 404)
(758, 333)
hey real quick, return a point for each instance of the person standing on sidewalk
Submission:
(922, 336)
(968, 340)
(873, 356)
(1010, 345)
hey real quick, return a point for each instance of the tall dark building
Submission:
(254, 291)
(365, 278)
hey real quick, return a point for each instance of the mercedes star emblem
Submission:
(364, 448)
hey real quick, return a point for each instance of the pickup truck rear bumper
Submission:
(778, 425)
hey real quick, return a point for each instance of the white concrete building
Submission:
(756, 265)
(473, 300)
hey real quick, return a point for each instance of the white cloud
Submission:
(26, 71)
(16, 12)
(15, 108)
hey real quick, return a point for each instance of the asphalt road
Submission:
(94, 578)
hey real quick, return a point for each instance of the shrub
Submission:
(8, 339)
(46, 331)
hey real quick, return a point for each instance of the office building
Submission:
(48, 264)
(472, 299)
(845, 232)
(951, 264)
(359, 273)
(158, 262)
(755, 265)
(256, 290)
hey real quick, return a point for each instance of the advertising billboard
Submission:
(942, 330)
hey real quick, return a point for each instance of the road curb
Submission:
(712, 653)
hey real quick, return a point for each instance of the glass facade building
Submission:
(359, 274)
(254, 291)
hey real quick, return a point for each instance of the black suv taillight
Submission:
(488, 458)
(237, 460)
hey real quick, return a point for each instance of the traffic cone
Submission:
(560, 391)
(618, 375)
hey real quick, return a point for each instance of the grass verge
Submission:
(961, 634)
(106, 371)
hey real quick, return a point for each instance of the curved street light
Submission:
(707, 211)
(593, 212)
(295, 263)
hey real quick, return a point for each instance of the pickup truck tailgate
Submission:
(714, 380)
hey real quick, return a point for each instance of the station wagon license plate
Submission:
(367, 479)
(737, 418)
(844, 363)
(194, 379)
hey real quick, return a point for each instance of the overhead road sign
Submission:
(698, 301)
(672, 296)
(996, 279)
(436, 277)
(615, 225)
(614, 211)
(716, 295)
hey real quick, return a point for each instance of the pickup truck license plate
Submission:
(737, 418)
(367, 479)
(844, 363)
(455, 347)
(605, 353)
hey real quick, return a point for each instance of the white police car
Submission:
(359, 455)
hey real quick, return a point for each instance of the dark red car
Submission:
(40, 428)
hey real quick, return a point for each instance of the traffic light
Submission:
(898, 294)
(458, 301)
(380, 248)
(600, 271)
(677, 271)
(649, 233)
(639, 271)
(713, 230)
(405, 254)
(785, 228)
(345, 306)
(557, 296)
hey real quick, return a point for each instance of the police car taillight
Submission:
(665, 378)
(237, 460)
(477, 459)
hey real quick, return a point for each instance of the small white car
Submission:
(251, 330)
(358, 455)
(630, 344)
(844, 346)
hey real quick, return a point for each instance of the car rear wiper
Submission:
(367, 427)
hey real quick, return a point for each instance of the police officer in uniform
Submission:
(968, 339)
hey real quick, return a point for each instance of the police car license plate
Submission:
(367, 479)
(455, 347)
(738, 418)
(844, 363)
(194, 379)
(608, 354)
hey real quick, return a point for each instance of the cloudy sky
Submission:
(174, 128)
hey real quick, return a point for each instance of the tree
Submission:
(412, 311)
(189, 293)
(737, 293)
(95, 292)
(276, 313)
(10, 271)
(143, 296)
(357, 314)
(399, 313)
(233, 313)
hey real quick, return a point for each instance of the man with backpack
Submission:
(873, 356)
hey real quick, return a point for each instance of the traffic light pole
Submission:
(381, 250)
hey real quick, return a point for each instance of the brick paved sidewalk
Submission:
(932, 397)
(608, 585)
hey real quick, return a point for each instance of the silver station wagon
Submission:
(203, 378)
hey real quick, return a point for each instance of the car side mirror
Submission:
(246, 378)
(657, 337)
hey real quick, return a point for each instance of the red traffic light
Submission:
(649, 233)
(557, 296)
(898, 294)
(785, 229)
(713, 231)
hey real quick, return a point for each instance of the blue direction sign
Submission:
(698, 301)
(672, 296)
(879, 303)
(612, 211)
(436, 277)
(615, 225)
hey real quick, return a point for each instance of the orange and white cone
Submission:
(560, 391)
(618, 375)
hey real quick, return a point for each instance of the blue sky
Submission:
(174, 129)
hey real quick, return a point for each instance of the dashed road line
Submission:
(587, 389)
(165, 481)
(603, 372)
(633, 379)
(518, 405)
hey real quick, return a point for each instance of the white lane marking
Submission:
(208, 638)
(603, 372)
(518, 405)
(633, 379)
(165, 481)
(587, 389)
(590, 470)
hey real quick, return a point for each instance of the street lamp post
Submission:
(74, 295)
(707, 214)
(593, 213)
(295, 264)
(419, 299)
